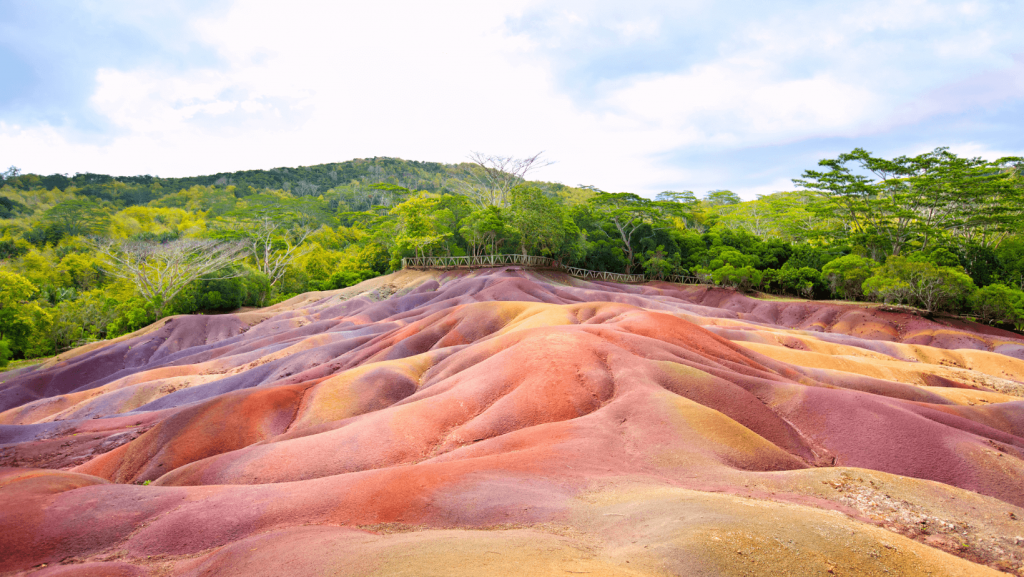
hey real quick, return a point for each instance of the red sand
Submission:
(521, 402)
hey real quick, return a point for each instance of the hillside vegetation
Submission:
(92, 256)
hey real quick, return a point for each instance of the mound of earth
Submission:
(510, 421)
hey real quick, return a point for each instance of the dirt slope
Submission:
(516, 422)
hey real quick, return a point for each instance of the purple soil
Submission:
(499, 398)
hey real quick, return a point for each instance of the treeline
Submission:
(87, 257)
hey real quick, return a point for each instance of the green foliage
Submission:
(742, 279)
(5, 353)
(130, 315)
(78, 217)
(722, 197)
(82, 320)
(920, 283)
(331, 226)
(214, 294)
(846, 275)
(486, 230)
(345, 278)
(22, 322)
(726, 255)
(800, 281)
(537, 221)
(908, 201)
(998, 303)
(658, 264)
(1010, 256)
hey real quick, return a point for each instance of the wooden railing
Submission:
(686, 279)
(478, 261)
(491, 260)
(603, 275)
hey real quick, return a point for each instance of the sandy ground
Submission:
(514, 422)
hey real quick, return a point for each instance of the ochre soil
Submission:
(515, 422)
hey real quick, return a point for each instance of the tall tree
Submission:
(494, 177)
(627, 212)
(918, 199)
(537, 218)
(79, 217)
(22, 322)
(421, 225)
(485, 230)
(273, 230)
(160, 271)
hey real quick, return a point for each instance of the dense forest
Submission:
(94, 256)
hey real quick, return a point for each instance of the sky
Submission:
(626, 96)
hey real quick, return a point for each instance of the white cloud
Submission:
(737, 103)
(422, 84)
(323, 82)
(976, 149)
(632, 30)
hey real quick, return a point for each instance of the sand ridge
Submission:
(505, 420)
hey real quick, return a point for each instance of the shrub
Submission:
(846, 275)
(998, 303)
(800, 281)
(347, 278)
(927, 285)
(5, 353)
(742, 279)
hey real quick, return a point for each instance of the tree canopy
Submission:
(92, 256)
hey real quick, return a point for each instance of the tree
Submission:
(658, 264)
(798, 280)
(387, 195)
(274, 229)
(485, 228)
(998, 303)
(421, 227)
(1010, 256)
(932, 287)
(160, 271)
(9, 174)
(627, 212)
(537, 218)
(79, 217)
(492, 181)
(918, 199)
(722, 198)
(22, 323)
(742, 279)
(846, 275)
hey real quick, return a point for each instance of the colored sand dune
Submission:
(506, 421)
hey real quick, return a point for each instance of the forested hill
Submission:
(342, 177)
(93, 256)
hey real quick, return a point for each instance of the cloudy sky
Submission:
(627, 96)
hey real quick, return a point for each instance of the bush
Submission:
(223, 294)
(742, 279)
(846, 275)
(347, 278)
(132, 315)
(927, 285)
(998, 303)
(5, 353)
(800, 281)
(82, 320)
(23, 324)
(724, 255)
(659, 264)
